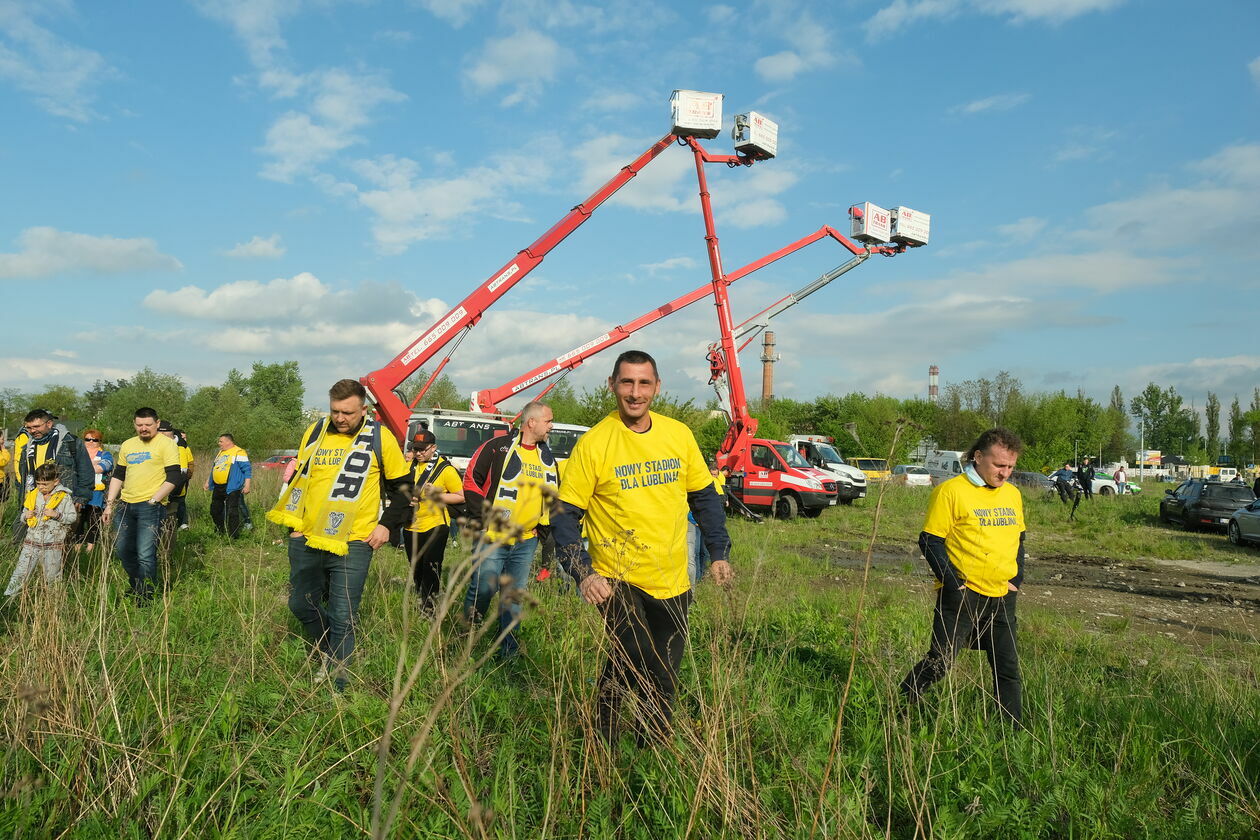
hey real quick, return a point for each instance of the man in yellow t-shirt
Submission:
(230, 477)
(973, 539)
(347, 468)
(510, 482)
(437, 484)
(147, 471)
(633, 478)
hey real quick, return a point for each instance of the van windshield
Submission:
(458, 438)
(828, 453)
(561, 441)
(791, 456)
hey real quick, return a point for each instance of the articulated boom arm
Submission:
(381, 384)
(488, 400)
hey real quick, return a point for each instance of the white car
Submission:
(911, 476)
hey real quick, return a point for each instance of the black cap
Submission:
(422, 440)
(165, 426)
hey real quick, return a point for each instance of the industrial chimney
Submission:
(768, 358)
(934, 374)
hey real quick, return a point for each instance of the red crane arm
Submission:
(381, 384)
(487, 401)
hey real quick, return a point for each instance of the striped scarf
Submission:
(336, 514)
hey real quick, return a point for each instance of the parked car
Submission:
(1106, 490)
(876, 469)
(276, 462)
(1244, 524)
(1032, 481)
(911, 475)
(1203, 504)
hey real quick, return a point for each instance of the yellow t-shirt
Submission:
(5, 457)
(223, 463)
(326, 465)
(185, 462)
(428, 514)
(981, 528)
(530, 509)
(719, 484)
(146, 465)
(634, 489)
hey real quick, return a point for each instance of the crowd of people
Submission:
(631, 513)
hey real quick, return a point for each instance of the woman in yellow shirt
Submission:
(437, 485)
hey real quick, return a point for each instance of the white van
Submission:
(458, 433)
(817, 449)
(944, 464)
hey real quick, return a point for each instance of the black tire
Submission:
(1187, 524)
(1235, 534)
(1105, 491)
(812, 513)
(786, 507)
(846, 501)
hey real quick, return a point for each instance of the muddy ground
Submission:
(1198, 603)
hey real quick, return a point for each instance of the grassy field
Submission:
(199, 717)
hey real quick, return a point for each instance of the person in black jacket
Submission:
(511, 483)
(43, 439)
(1085, 475)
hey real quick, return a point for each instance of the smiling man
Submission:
(633, 478)
(973, 539)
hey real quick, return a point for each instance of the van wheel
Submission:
(786, 507)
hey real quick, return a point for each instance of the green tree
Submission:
(163, 392)
(1170, 426)
(1213, 416)
(441, 394)
(13, 407)
(61, 400)
(1117, 444)
(94, 398)
(277, 386)
(1237, 432)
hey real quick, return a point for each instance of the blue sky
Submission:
(192, 186)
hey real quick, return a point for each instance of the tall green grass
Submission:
(199, 716)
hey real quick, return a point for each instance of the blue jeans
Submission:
(513, 561)
(138, 525)
(324, 594)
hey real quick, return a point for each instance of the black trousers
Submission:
(647, 637)
(427, 550)
(967, 619)
(225, 509)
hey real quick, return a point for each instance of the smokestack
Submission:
(768, 358)
(934, 374)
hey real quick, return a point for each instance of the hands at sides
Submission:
(595, 588)
(378, 537)
(722, 572)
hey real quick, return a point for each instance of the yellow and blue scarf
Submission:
(58, 496)
(336, 513)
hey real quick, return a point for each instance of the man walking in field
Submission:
(515, 476)
(147, 473)
(345, 465)
(1085, 475)
(973, 539)
(633, 478)
(43, 439)
(230, 477)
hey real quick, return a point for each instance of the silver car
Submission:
(1244, 524)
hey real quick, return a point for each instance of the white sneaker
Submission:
(325, 669)
(184, 527)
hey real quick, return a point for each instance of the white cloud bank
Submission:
(902, 13)
(60, 75)
(45, 251)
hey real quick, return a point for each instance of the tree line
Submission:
(264, 411)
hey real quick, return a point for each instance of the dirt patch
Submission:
(1200, 604)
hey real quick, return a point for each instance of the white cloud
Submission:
(42, 370)
(45, 251)
(1000, 102)
(1083, 143)
(751, 204)
(671, 264)
(256, 23)
(1099, 271)
(1254, 69)
(902, 13)
(1022, 230)
(1222, 375)
(612, 101)
(60, 75)
(284, 299)
(814, 47)
(341, 103)
(409, 208)
(524, 61)
(65, 354)
(1238, 164)
(454, 12)
(658, 186)
(258, 248)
